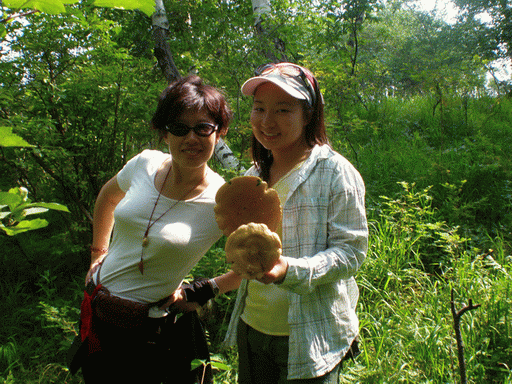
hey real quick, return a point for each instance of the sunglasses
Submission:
(201, 129)
(288, 70)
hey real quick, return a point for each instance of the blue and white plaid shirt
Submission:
(325, 240)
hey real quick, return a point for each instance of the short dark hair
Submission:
(314, 131)
(190, 93)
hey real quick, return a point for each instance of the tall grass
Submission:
(439, 209)
(406, 323)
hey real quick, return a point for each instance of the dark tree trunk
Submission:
(166, 63)
(162, 50)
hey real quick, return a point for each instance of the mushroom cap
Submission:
(252, 250)
(246, 199)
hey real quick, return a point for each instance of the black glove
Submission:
(200, 291)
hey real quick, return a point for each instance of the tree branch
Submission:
(458, 334)
(12, 17)
(73, 196)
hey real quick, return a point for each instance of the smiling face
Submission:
(278, 119)
(192, 150)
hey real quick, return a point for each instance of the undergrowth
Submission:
(439, 201)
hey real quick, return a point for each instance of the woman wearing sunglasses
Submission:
(162, 207)
(298, 322)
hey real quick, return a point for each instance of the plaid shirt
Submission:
(325, 240)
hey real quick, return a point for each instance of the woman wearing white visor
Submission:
(298, 322)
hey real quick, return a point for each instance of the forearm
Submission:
(102, 229)
(103, 219)
(103, 223)
(341, 243)
(304, 274)
(228, 282)
(203, 290)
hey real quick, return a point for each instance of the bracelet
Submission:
(99, 250)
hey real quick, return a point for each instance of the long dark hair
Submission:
(190, 93)
(314, 131)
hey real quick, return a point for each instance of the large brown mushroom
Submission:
(247, 199)
(249, 213)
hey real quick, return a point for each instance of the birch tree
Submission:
(266, 33)
(165, 60)
(162, 50)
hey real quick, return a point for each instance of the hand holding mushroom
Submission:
(249, 213)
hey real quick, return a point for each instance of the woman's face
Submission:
(192, 150)
(277, 119)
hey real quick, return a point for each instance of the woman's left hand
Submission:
(178, 300)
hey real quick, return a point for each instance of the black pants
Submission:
(159, 351)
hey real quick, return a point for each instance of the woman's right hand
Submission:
(92, 270)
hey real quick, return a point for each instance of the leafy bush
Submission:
(409, 225)
(406, 326)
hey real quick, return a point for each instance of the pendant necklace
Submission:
(145, 240)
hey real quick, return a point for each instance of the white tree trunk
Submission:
(260, 7)
(277, 52)
(226, 157)
(171, 73)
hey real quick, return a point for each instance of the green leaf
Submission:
(54, 206)
(146, 6)
(9, 139)
(196, 363)
(24, 226)
(52, 7)
(35, 211)
(220, 366)
(8, 198)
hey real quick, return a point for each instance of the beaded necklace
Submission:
(145, 240)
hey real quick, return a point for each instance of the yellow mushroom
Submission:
(252, 250)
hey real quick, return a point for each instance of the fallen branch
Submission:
(458, 334)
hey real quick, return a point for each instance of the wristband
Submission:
(200, 291)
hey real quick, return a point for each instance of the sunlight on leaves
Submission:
(52, 7)
(9, 139)
(146, 6)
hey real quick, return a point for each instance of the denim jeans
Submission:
(263, 359)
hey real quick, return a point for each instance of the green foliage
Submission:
(500, 28)
(406, 326)
(19, 206)
(215, 362)
(462, 155)
(408, 223)
(405, 102)
(9, 139)
(55, 7)
(87, 109)
(52, 7)
(146, 6)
